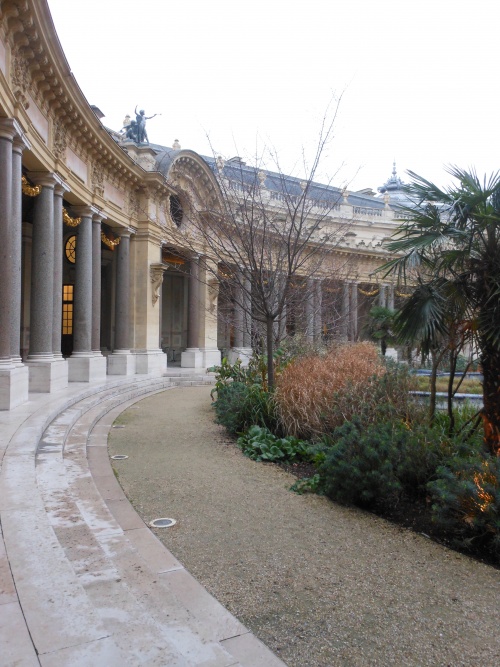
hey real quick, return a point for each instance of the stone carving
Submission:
(60, 141)
(21, 79)
(213, 293)
(97, 179)
(156, 274)
(133, 204)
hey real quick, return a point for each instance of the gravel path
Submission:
(322, 585)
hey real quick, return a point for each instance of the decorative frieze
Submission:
(30, 190)
(68, 220)
(110, 243)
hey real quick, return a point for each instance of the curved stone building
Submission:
(97, 277)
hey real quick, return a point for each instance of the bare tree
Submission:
(274, 235)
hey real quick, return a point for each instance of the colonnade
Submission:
(45, 369)
(314, 305)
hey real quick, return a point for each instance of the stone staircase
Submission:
(83, 581)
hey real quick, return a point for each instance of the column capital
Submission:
(85, 211)
(11, 129)
(125, 232)
(21, 143)
(46, 179)
(99, 216)
(61, 188)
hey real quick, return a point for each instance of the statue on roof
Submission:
(140, 120)
(135, 130)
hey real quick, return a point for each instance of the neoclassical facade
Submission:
(97, 278)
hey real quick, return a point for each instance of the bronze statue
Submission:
(140, 123)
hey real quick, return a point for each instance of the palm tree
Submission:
(380, 326)
(451, 239)
(433, 320)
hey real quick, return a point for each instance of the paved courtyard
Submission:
(322, 585)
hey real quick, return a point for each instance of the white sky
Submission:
(420, 80)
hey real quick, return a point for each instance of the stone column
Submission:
(345, 314)
(122, 361)
(84, 366)
(59, 191)
(238, 317)
(96, 285)
(192, 357)
(47, 373)
(354, 312)
(318, 301)
(13, 375)
(19, 145)
(390, 301)
(309, 310)
(242, 340)
(7, 134)
(382, 297)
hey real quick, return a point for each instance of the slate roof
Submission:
(236, 170)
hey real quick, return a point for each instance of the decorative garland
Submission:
(366, 293)
(30, 190)
(111, 243)
(402, 294)
(68, 220)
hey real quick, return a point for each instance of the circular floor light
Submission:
(162, 523)
(118, 426)
(119, 457)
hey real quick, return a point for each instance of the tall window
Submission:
(67, 310)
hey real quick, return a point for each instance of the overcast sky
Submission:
(419, 81)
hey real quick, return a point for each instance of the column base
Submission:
(87, 368)
(47, 376)
(192, 358)
(211, 357)
(243, 353)
(150, 362)
(121, 363)
(14, 383)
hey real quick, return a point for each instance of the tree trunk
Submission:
(490, 361)
(432, 399)
(451, 379)
(270, 353)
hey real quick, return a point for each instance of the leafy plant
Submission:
(307, 485)
(466, 499)
(259, 444)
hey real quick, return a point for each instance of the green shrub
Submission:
(359, 466)
(259, 444)
(238, 406)
(466, 499)
(241, 396)
(375, 464)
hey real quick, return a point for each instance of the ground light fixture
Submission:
(162, 523)
(119, 457)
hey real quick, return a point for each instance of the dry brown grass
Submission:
(310, 396)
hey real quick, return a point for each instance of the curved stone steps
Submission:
(95, 585)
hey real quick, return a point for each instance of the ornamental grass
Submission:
(316, 394)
